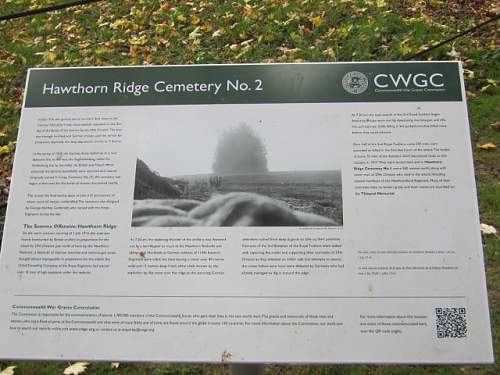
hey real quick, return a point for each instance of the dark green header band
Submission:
(234, 84)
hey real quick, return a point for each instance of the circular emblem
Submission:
(355, 82)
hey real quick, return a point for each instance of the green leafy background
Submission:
(194, 32)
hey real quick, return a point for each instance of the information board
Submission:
(319, 213)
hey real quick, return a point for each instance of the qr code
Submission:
(451, 322)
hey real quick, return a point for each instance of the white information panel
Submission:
(319, 213)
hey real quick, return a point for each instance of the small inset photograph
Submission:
(260, 168)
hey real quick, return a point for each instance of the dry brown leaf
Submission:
(470, 94)
(487, 146)
(495, 125)
(208, 27)
(195, 20)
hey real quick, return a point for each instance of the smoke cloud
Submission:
(240, 150)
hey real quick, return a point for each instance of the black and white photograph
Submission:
(258, 167)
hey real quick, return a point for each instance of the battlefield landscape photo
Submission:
(238, 173)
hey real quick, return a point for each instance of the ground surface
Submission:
(318, 192)
(183, 32)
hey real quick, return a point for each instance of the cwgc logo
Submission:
(355, 82)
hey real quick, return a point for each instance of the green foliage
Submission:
(187, 32)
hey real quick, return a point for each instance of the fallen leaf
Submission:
(195, 33)
(48, 56)
(289, 50)
(453, 53)
(492, 82)
(139, 41)
(470, 94)
(495, 125)
(76, 368)
(246, 42)
(118, 23)
(207, 27)
(487, 146)
(469, 73)
(329, 52)
(305, 29)
(317, 21)
(484, 88)
(195, 20)
(488, 229)
(8, 370)
(217, 33)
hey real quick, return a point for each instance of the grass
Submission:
(183, 32)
